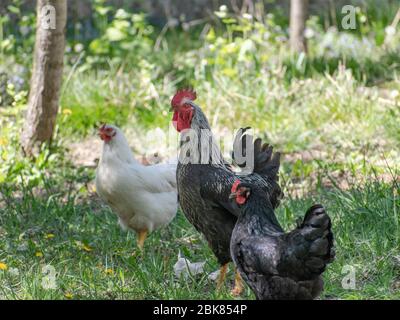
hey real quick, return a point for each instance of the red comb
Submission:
(235, 185)
(183, 96)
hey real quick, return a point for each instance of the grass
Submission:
(333, 114)
(94, 259)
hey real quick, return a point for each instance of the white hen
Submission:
(144, 197)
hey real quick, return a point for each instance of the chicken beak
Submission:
(233, 195)
(102, 135)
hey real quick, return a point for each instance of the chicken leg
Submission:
(222, 274)
(238, 289)
(141, 238)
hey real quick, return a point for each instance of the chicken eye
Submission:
(244, 192)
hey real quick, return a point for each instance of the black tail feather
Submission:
(310, 247)
(266, 162)
(317, 229)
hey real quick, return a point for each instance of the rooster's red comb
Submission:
(182, 96)
(235, 185)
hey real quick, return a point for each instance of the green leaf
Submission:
(122, 14)
(102, 10)
(211, 35)
(229, 21)
(114, 34)
(121, 24)
(98, 46)
(14, 9)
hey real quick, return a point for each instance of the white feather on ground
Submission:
(183, 267)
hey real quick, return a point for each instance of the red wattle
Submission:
(240, 199)
(182, 119)
(175, 120)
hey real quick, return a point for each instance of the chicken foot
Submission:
(222, 275)
(238, 289)
(141, 238)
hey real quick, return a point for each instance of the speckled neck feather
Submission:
(201, 126)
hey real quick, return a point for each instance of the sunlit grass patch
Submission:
(94, 259)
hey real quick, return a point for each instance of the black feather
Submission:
(279, 265)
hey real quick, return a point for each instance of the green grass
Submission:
(94, 259)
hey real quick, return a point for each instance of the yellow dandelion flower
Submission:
(109, 271)
(83, 246)
(39, 254)
(3, 266)
(68, 295)
(3, 141)
(49, 236)
(67, 112)
(86, 248)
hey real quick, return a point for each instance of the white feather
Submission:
(183, 267)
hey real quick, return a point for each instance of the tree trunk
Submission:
(46, 76)
(298, 18)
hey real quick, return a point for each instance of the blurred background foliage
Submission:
(124, 60)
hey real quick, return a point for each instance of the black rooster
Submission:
(275, 264)
(204, 185)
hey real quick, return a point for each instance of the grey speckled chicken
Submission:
(278, 265)
(204, 188)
